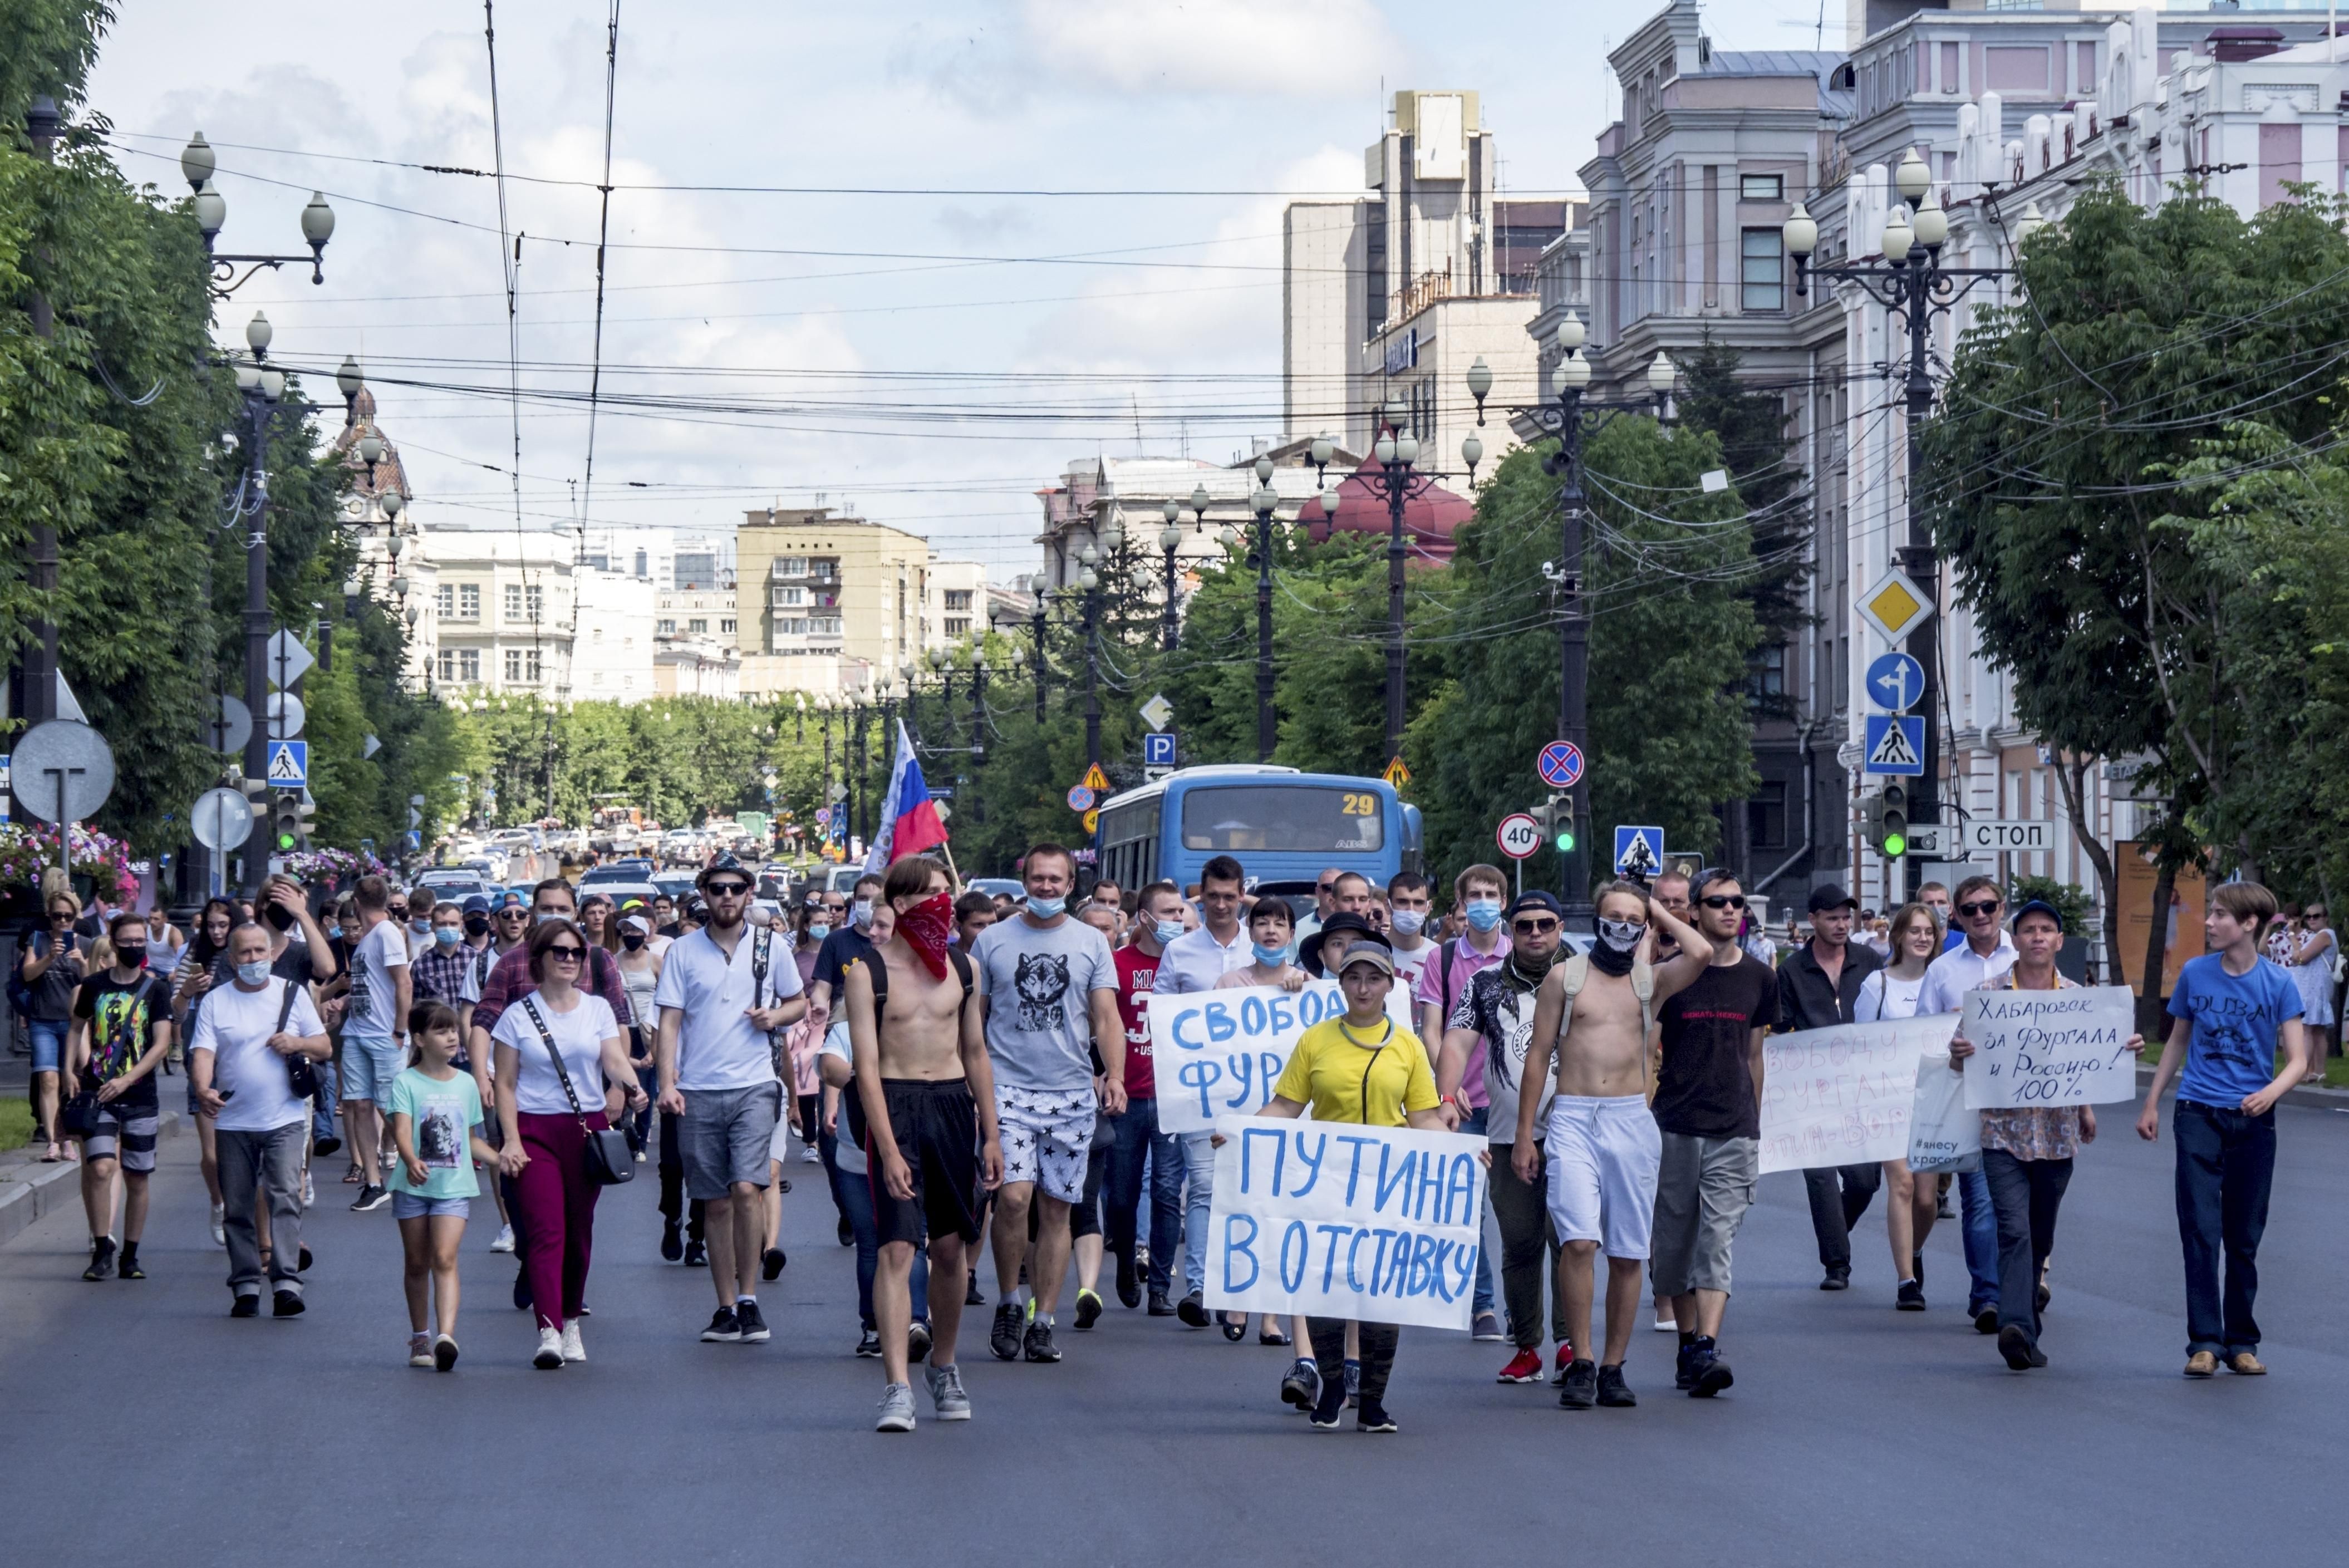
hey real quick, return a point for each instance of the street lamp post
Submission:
(1090, 582)
(39, 700)
(1912, 283)
(1170, 539)
(1569, 418)
(197, 162)
(1264, 501)
(1036, 624)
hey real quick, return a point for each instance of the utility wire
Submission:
(603, 233)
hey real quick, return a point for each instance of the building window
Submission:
(448, 663)
(1762, 187)
(1762, 279)
(1765, 680)
(726, 625)
(790, 566)
(699, 624)
(1765, 816)
(514, 601)
(959, 598)
(957, 627)
(789, 598)
(524, 666)
(469, 601)
(468, 666)
(825, 570)
(444, 599)
(668, 628)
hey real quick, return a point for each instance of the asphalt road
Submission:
(146, 1423)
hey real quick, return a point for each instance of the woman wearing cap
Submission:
(1365, 1068)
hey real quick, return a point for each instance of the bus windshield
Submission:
(1303, 819)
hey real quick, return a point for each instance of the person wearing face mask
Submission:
(121, 1033)
(1443, 977)
(1410, 903)
(849, 940)
(1134, 1135)
(299, 952)
(438, 968)
(1196, 961)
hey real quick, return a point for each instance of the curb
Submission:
(29, 1189)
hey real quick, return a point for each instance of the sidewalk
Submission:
(29, 1189)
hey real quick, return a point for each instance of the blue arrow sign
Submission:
(1560, 763)
(1639, 852)
(1895, 680)
(1896, 743)
(289, 764)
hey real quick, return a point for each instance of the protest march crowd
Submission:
(1313, 1113)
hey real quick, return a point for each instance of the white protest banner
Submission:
(1842, 1096)
(2050, 1048)
(1943, 1135)
(1337, 1219)
(1219, 1051)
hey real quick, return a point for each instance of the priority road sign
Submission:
(289, 764)
(1158, 748)
(1560, 763)
(1518, 835)
(1896, 743)
(1895, 605)
(289, 661)
(1639, 852)
(1157, 711)
(1895, 681)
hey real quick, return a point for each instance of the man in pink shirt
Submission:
(1478, 891)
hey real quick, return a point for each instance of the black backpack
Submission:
(852, 1104)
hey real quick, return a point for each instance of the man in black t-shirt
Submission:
(1709, 1110)
(121, 1032)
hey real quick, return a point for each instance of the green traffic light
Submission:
(1895, 845)
(1564, 842)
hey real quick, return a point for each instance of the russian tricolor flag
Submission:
(909, 822)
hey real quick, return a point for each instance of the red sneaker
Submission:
(1565, 1359)
(1525, 1366)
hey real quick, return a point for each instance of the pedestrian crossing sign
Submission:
(1639, 852)
(289, 764)
(1896, 743)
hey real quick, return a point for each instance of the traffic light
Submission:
(1556, 816)
(285, 824)
(1888, 821)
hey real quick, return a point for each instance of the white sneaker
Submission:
(220, 1225)
(1666, 1326)
(309, 1191)
(810, 1157)
(504, 1243)
(550, 1350)
(573, 1348)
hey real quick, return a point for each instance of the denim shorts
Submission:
(48, 1044)
(416, 1206)
(370, 1067)
(726, 1137)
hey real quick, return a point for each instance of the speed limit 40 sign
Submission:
(1518, 835)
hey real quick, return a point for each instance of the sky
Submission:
(986, 239)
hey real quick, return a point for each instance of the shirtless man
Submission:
(927, 1094)
(1603, 1146)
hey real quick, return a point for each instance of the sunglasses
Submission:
(567, 955)
(1326, 887)
(1723, 900)
(728, 890)
(1981, 906)
(1535, 927)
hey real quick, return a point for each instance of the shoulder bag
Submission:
(301, 1072)
(607, 1155)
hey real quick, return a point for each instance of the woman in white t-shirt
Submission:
(546, 1124)
(1891, 991)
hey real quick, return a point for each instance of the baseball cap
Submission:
(477, 904)
(1541, 899)
(2036, 906)
(1374, 953)
(637, 924)
(1830, 896)
(1347, 923)
(723, 863)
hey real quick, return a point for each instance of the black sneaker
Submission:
(126, 1266)
(1986, 1320)
(2015, 1344)
(697, 1256)
(672, 1241)
(326, 1145)
(521, 1290)
(1328, 1407)
(1088, 1308)
(1303, 1387)
(1159, 1306)
(1708, 1374)
(1613, 1392)
(301, 1262)
(848, 1233)
(2040, 1297)
(101, 1259)
(724, 1328)
(1837, 1279)
(771, 1264)
(971, 1294)
(1193, 1311)
(1128, 1287)
(1374, 1418)
(751, 1321)
(1003, 1340)
(1911, 1296)
(1917, 1268)
(285, 1304)
(870, 1346)
(918, 1342)
(1038, 1344)
(1683, 1369)
(1581, 1389)
(246, 1306)
(370, 1199)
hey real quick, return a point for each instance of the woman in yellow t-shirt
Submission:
(1362, 1067)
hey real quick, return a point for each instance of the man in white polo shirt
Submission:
(721, 996)
(1983, 958)
(1195, 961)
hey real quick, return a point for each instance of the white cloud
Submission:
(1211, 46)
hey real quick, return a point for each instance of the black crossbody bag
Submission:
(607, 1155)
(301, 1071)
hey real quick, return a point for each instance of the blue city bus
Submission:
(1283, 826)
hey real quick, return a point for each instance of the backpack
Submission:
(1576, 972)
(852, 1103)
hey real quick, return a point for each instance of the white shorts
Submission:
(1603, 1158)
(778, 1146)
(1048, 1135)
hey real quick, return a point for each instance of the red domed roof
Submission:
(1429, 519)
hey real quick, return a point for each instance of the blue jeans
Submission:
(1980, 1217)
(2226, 1166)
(322, 1104)
(1199, 1172)
(2028, 1194)
(1481, 1302)
(1136, 1132)
(1166, 1167)
(853, 1192)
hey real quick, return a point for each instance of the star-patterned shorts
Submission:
(1047, 1137)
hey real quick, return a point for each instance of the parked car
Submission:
(627, 870)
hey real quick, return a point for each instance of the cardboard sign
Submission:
(1844, 1096)
(1222, 1051)
(2050, 1048)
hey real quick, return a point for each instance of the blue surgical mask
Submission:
(421, 926)
(1483, 913)
(1046, 908)
(1270, 958)
(334, 934)
(1166, 930)
(860, 914)
(818, 931)
(447, 935)
(1407, 922)
(253, 974)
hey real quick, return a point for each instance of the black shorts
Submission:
(936, 1123)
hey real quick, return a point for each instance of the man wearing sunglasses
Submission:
(721, 997)
(1983, 960)
(1817, 987)
(1709, 1109)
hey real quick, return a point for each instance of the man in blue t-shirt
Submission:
(2230, 1009)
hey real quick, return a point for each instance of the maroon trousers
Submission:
(558, 1212)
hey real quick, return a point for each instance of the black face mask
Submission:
(279, 916)
(632, 940)
(475, 925)
(131, 957)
